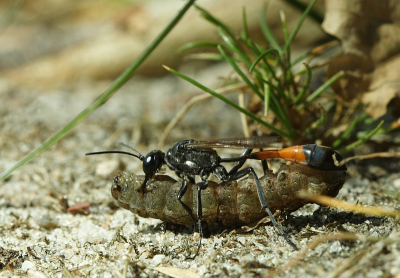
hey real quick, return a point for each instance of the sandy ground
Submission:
(39, 238)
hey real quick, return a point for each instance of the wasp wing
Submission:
(235, 143)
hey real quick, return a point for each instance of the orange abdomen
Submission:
(295, 154)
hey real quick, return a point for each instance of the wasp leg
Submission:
(200, 187)
(240, 163)
(264, 164)
(199, 224)
(234, 176)
(143, 186)
(182, 192)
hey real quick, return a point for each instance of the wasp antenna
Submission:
(141, 157)
(130, 147)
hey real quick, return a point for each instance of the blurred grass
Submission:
(105, 96)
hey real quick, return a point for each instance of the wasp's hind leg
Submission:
(222, 174)
(240, 163)
(264, 164)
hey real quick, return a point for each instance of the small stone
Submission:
(396, 183)
(27, 265)
(158, 259)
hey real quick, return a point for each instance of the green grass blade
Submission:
(306, 85)
(267, 31)
(284, 25)
(240, 72)
(298, 25)
(269, 83)
(322, 119)
(267, 97)
(271, 71)
(301, 58)
(314, 51)
(321, 89)
(280, 112)
(245, 30)
(255, 49)
(362, 140)
(234, 47)
(345, 134)
(317, 17)
(271, 101)
(262, 56)
(229, 102)
(215, 21)
(205, 56)
(192, 45)
(104, 96)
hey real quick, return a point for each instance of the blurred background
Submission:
(59, 55)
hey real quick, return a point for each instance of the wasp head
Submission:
(152, 163)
